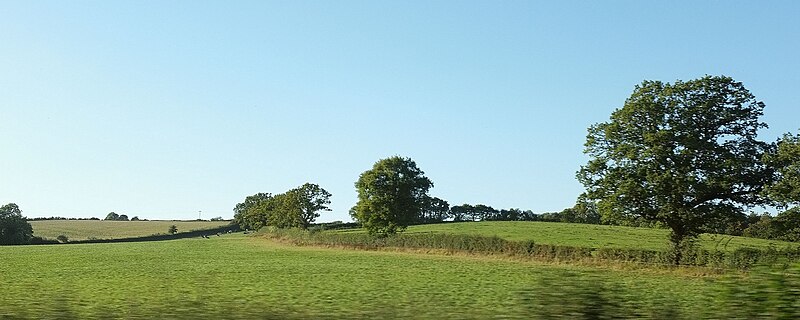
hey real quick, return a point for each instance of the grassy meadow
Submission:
(239, 277)
(235, 276)
(101, 229)
(587, 235)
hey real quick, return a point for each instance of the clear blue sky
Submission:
(163, 108)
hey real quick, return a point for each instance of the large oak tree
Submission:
(684, 154)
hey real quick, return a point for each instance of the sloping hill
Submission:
(587, 235)
(101, 229)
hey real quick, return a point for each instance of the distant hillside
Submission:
(100, 229)
(587, 235)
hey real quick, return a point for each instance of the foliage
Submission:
(309, 199)
(434, 210)
(684, 154)
(173, 229)
(62, 238)
(113, 216)
(785, 226)
(296, 208)
(391, 195)
(60, 218)
(254, 211)
(786, 161)
(14, 228)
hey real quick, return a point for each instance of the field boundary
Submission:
(163, 237)
(742, 258)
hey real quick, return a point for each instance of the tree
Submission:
(282, 211)
(435, 210)
(684, 154)
(135, 218)
(785, 160)
(459, 213)
(391, 195)
(310, 199)
(253, 213)
(123, 217)
(484, 212)
(585, 211)
(513, 214)
(14, 228)
(112, 216)
(173, 229)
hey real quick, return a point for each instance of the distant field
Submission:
(587, 235)
(237, 277)
(86, 229)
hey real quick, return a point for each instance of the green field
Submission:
(100, 229)
(239, 277)
(587, 235)
(235, 276)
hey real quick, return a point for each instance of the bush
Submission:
(62, 238)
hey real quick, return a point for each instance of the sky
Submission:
(179, 109)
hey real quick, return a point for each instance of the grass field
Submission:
(587, 235)
(237, 277)
(100, 229)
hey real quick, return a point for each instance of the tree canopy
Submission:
(254, 211)
(685, 154)
(296, 208)
(112, 216)
(391, 195)
(14, 228)
(310, 199)
(435, 210)
(786, 161)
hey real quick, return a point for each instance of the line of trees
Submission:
(296, 208)
(394, 194)
(113, 216)
(59, 218)
(683, 156)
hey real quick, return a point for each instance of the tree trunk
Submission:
(676, 238)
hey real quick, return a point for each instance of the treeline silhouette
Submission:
(60, 218)
(784, 226)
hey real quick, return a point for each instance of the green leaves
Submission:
(684, 154)
(14, 229)
(296, 208)
(391, 195)
(786, 161)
